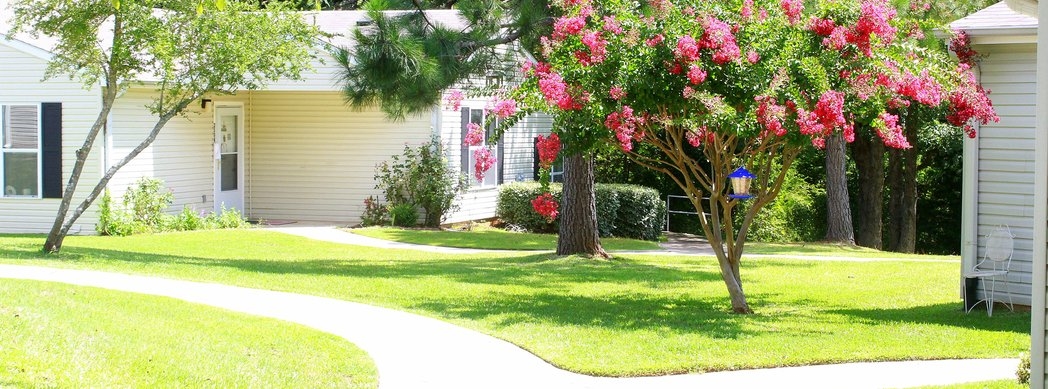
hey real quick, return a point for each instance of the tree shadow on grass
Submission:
(683, 314)
(538, 270)
(946, 314)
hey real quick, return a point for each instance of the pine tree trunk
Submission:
(838, 209)
(868, 154)
(578, 209)
(902, 202)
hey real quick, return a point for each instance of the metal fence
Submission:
(670, 210)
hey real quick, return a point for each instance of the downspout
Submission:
(1040, 210)
(970, 202)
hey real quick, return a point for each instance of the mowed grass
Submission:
(833, 250)
(633, 315)
(999, 384)
(485, 237)
(57, 335)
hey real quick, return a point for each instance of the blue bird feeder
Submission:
(740, 183)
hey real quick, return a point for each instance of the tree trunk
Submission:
(578, 209)
(868, 154)
(60, 229)
(838, 208)
(902, 202)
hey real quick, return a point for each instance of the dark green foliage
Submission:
(403, 215)
(640, 214)
(939, 183)
(420, 177)
(626, 211)
(403, 62)
(794, 216)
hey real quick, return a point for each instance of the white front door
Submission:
(229, 158)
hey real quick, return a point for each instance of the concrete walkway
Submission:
(413, 351)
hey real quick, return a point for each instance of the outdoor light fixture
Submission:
(204, 103)
(740, 183)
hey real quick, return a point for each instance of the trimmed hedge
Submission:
(628, 211)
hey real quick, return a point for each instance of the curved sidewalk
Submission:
(413, 351)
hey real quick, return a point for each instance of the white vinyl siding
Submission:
(310, 157)
(518, 155)
(181, 155)
(21, 73)
(1004, 189)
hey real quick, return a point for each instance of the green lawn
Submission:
(484, 237)
(634, 315)
(57, 335)
(834, 250)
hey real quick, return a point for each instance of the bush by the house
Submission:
(627, 211)
(375, 214)
(420, 178)
(1023, 372)
(403, 215)
(142, 211)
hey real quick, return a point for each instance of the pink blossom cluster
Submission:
(624, 123)
(827, 116)
(717, 36)
(701, 134)
(616, 92)
(454, 99)
(555, 90)
(874, 20)
(961, 44)
(546, 206)
(483, 161)
(597, 46)
(548, 149)
(970, 102)
(792, 9)
(504, 108)
(687, 49)
(655, 40)
(696, 75)
(565, 26)
(891, 132)
(770, 115)
(474, 135)
(923, 89)
(747, 10)
(612, 25)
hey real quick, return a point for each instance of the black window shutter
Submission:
(51, 149)
(462, 141)
(535, 160)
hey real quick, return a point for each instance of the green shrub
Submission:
(1023, 372)
(143, 212)
(187, 220)
(514, 206)
(792, 217)
(607, 208)
(421, 177)
(641, 212)
(375, 213)
(627, 211)
(403, 215)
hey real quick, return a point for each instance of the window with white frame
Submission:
(491, 176)
(20, 151)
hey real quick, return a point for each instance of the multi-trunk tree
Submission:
(749, 84)
(186, 48)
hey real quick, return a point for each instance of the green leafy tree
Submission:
(190, 48)
(746, 83)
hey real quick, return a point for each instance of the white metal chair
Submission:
(995, 263)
